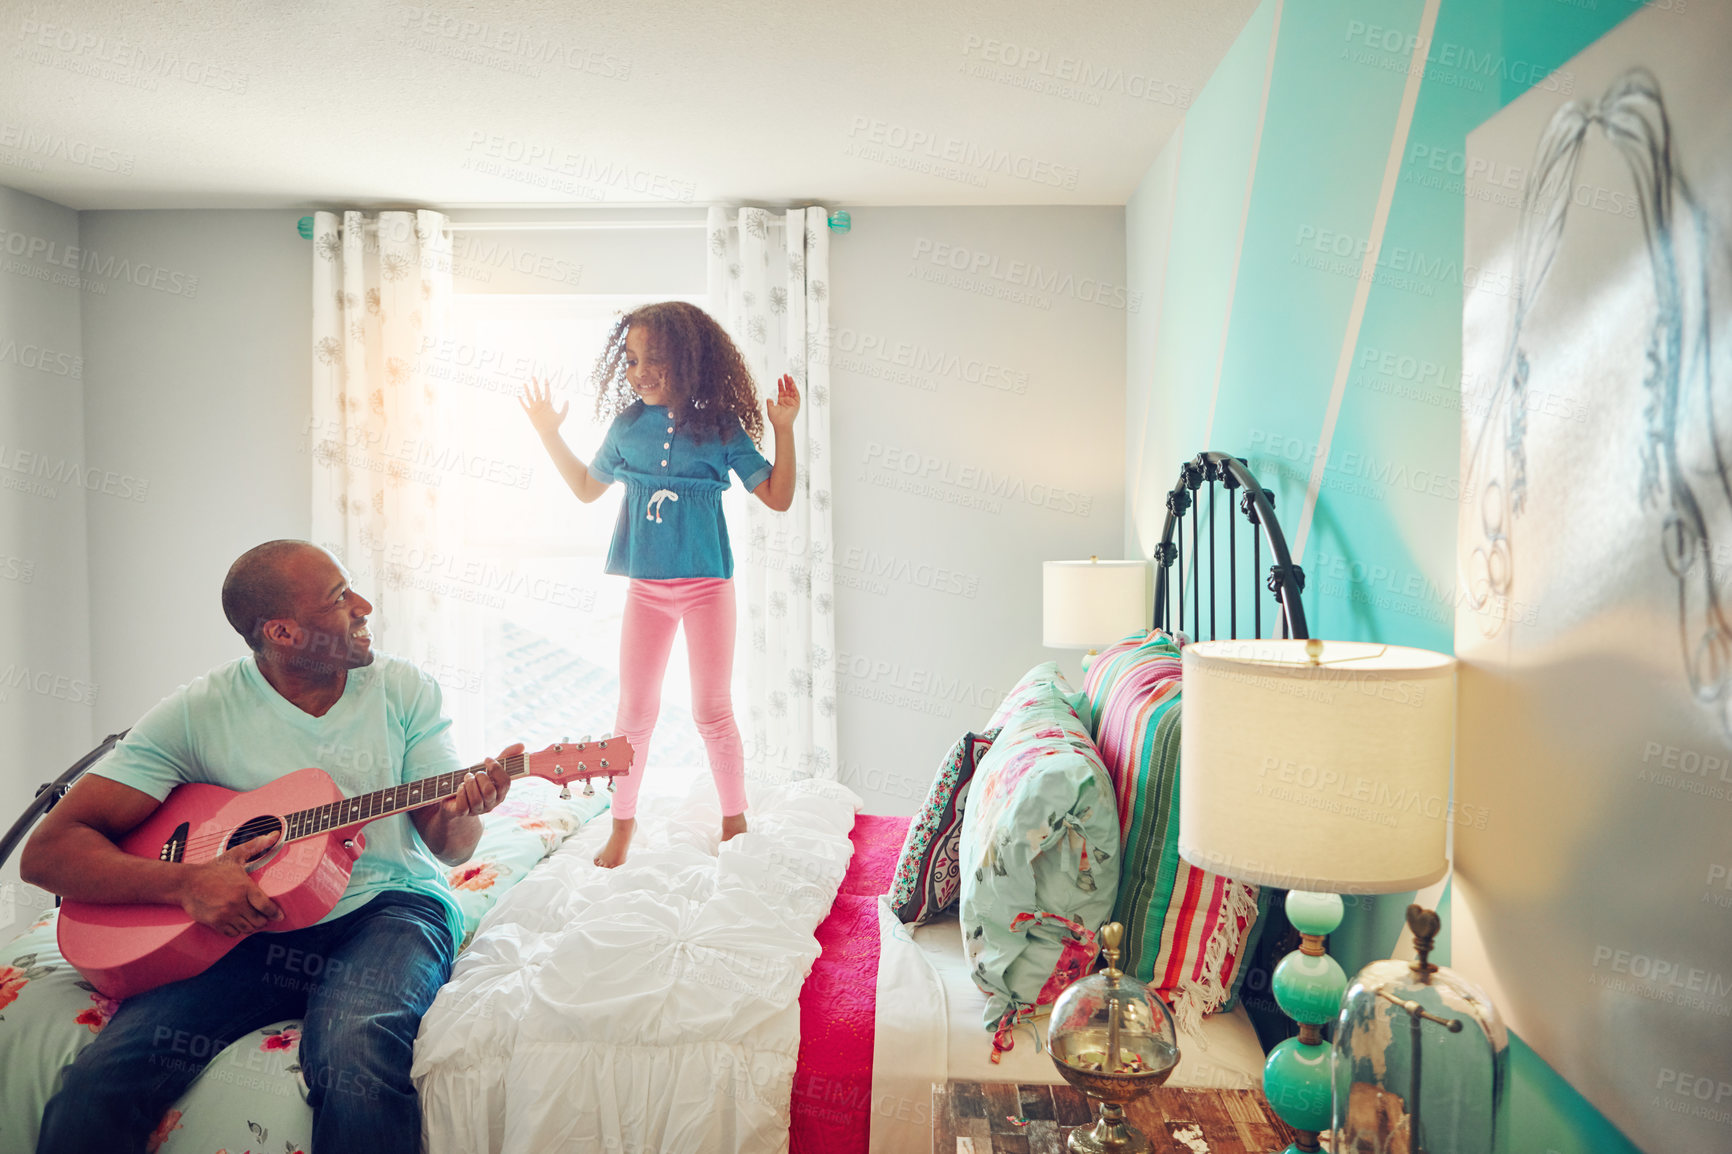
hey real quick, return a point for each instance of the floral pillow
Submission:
(927, 880)
(1043, 679)
(248, 1098)
(1039, 852)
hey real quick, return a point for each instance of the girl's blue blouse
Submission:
(670, 523)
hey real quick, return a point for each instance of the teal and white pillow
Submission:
(1039, 837)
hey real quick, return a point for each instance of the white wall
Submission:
(197, 363)
(978, 370)
(47, 695)
(583, 260)
(1153, 451)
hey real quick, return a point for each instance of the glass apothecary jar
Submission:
(1112, 1038)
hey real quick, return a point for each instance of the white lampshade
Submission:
(1088, 604)
(1332, 777)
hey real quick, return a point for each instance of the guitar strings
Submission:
(201, 845)
(211, 845)
(218, 839)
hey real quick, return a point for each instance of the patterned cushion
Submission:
(927, 880)
(1186, 929)
(1039, 838)
(48, 1013)
(248, 1098)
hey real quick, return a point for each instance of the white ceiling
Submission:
(260, 103)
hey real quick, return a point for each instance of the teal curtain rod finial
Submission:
(305, 227)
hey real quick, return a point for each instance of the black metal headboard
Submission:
(1185, 503)
(49, 794)
(1183, 570)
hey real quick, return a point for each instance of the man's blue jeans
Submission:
(361, 981)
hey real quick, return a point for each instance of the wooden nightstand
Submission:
(977, 1118)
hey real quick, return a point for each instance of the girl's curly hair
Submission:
(707, 378)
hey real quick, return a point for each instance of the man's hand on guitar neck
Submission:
(221, 894)
(451, 828)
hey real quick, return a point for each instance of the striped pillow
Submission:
(1186, 929)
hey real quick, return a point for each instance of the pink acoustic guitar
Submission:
(124, 950)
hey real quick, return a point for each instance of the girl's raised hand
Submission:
(786, 406)
(537, 402)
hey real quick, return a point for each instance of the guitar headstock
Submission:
(568, 761)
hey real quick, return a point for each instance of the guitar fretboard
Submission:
(385, 802)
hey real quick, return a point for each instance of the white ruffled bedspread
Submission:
(650, 1008)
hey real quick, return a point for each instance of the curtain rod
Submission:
(566, 225)
(838, 221)
(562, 225)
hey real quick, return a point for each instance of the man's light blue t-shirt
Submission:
(231, 728)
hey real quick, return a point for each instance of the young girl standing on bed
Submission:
(684, 413)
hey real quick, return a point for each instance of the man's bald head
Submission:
(259, 587)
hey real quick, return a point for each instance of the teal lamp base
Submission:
(1308, 987)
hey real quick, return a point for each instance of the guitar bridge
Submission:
(174, 849)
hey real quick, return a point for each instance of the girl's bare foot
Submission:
(733, 826)
(612, 854)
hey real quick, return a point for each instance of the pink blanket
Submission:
(831, 1110)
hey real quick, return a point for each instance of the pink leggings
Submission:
(653, 610)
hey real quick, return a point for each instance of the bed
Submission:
(760, 994)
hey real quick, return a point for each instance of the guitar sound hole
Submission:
(251, 828)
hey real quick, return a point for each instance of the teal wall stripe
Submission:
(1380, 560)
(1244, 215)
(1199, 276)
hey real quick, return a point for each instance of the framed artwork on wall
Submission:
(1595, 559)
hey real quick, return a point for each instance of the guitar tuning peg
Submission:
(588, 788)
(565, 793)
(610, 785)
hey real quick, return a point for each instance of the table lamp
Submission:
(1323, 768)
(1087, 604)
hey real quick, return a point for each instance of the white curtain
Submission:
(384, 466)
(769, 284)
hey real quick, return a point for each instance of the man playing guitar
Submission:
(309, 694)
